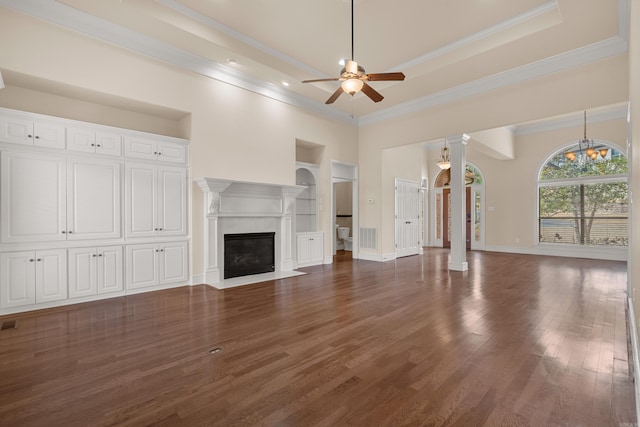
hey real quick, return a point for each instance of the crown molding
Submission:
(615, 112)
(561, 62)
(68, 17)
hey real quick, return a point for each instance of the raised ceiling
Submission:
(447, 49)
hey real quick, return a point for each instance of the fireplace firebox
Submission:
(248, 253)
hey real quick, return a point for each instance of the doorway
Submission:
(345, 173)
(407, 218)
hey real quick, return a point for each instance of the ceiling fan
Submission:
(354, 78)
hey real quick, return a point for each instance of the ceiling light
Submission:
(444, 161)
(585, 149)
(285, 83)
(352, 86)
(232, 61)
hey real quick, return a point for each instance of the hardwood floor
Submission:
(517, 340)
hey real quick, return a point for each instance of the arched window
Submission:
(583, 201)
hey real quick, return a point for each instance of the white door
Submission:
(108, 143)
(93, 210)
(171, 152)
(141, 202)
(50, 135)
(407, 218)
(171, 218)
(142, 266)
(16, 131)
(51, 275)
(109, 272)
(82, 272)
(17, 279)
(33, 201)
(82, 140)
(173, 262)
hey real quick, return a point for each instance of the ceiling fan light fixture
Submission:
(352, 86)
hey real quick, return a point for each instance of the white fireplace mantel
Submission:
(240, 206)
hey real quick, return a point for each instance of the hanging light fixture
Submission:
(444, 161)
(585, 150)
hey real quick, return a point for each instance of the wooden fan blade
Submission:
(321, 80)
(335, 96)
(377, 77)
(371, 93)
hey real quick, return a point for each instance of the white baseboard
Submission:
(611, 254)
(197, 279)
(328, 259)
(367, 256)
(633, 330)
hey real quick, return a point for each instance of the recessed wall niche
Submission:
(306, 202)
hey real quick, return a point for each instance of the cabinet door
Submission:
(173, 262)
(17, 279)
(172, 152)
(93, 210)
(142, 266)
(140, 148)
(83, 140)
(304, 249)
(171, 217)
(82, 272)
(141, 200)
(33, 197)
(109, 272)
(108, 143)
(51, 275)
(317, 247)
(49, 135)
(16, 131)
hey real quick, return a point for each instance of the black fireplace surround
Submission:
(248, 253)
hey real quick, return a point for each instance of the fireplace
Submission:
(248, 253)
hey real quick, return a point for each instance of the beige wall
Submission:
(598, 84)
(234, 133)
(634, 142)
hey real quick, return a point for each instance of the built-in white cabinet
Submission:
(31, 277)
(156, 264)
(148, 149)
(310, 248)
(95, 271)
(80, 222)
(50, 198)
(156, 200)
(90, 141)
(26, 131)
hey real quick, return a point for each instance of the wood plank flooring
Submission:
(517, 340)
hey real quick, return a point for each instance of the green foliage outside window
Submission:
(586, 203)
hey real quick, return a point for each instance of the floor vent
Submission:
(368, 238)
(8, 324)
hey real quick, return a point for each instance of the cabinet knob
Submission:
(160, 229)
(39, 259)
(93, 145)
(37, 137)
(69, 231)
(99, 254)
(31, 260)
(155, 229)
(29, 136)
(155, 152)
(161, 250)
(159, 153)
(64, 232)
(94, 255)
(99, 145)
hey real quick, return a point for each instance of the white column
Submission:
(458, 256)
(286, 228)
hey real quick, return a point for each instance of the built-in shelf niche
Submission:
(306, 202)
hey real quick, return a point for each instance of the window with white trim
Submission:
(584, 201)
